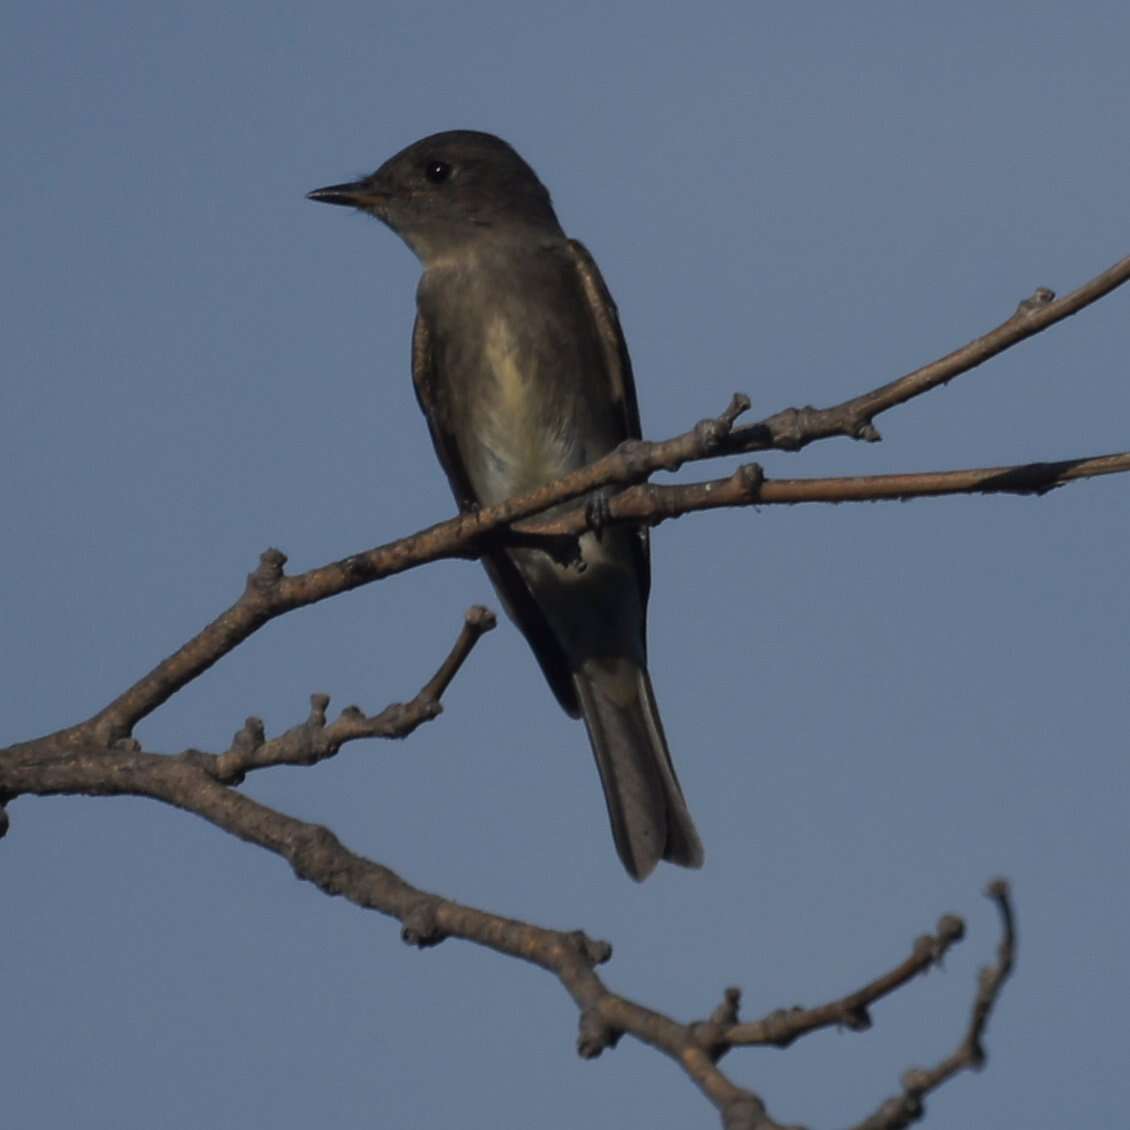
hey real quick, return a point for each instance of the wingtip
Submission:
(690, 856)
(639, 870)
(684, 848)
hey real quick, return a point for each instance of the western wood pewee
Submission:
(520, 367)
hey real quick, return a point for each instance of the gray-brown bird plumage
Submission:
(521, 369)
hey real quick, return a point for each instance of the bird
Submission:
(521, 369)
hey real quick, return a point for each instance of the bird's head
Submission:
(448, 189)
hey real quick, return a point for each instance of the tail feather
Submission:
(649, 816)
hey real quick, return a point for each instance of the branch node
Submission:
(126, 745)
(746, 1113)
(997, 890)
(269, 571)
(636, 455)
(727, 1011)
(481, 618)
(933, 947)
(856, 1018)
(898, 1112)
(779, 1028)
(711, 1034)
(915, 1081)
(951, 929)
(749, 477)
(594, 1035)
(318, 704)
(1037, 300)
(796, 425)
(198, 759)
(739, 404)
(709, 434)
(592, 951)
(250, 736)
(420, 926)
(867, 432)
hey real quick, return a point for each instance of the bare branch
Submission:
(99, 757)
(781, 1028)
(318, 857)
(313, 741)
(476, 624)
(917, 1083)
(651, 504)
(794, 428)
(269, 593)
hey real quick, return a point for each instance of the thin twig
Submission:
(650, 504)
(313, 740)
(269, 593)
(969, 1055)
(794, 428)
(318, 857)
(781, 1028)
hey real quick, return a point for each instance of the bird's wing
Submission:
(618, 366)
(500, 567)
(617, 362)
(429, 395)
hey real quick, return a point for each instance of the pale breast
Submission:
(524, 420)
(520, 366)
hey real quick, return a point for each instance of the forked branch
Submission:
(270, 593)
(100, 757)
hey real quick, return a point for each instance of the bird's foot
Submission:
(598, 511)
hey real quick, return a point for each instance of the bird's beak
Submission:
(357, 194)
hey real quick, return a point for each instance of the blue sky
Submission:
(874, 709)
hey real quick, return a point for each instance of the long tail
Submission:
(649, 816)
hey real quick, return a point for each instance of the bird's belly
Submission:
(523, 429)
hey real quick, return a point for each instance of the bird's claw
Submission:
(598, 512)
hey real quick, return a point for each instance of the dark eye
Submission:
(437, 171)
